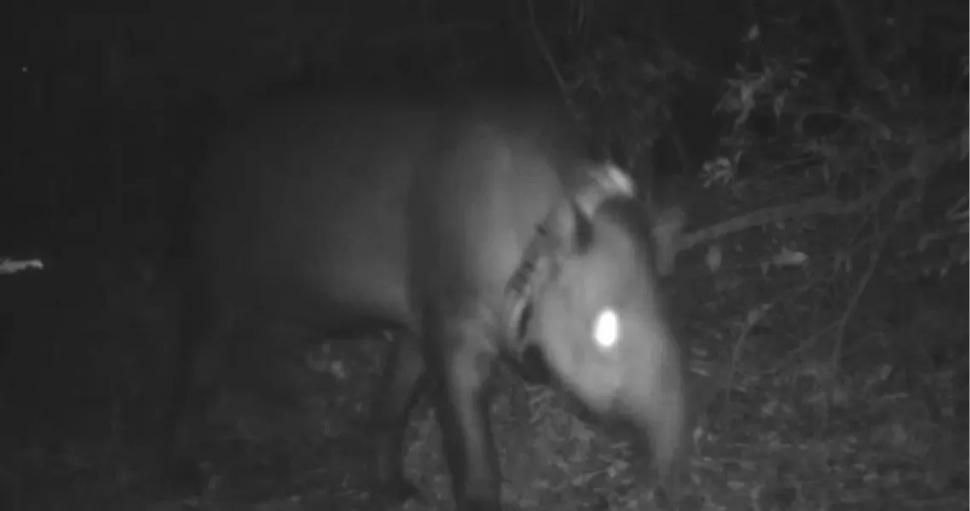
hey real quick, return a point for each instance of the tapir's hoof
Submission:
(184, 473)
(482, 505)
(406, 491)
(400, 492)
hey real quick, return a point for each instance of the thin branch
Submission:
(754, 318)
(853, 41)
(546, 54)
(874, 257)
(823, 204)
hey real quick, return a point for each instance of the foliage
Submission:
(886, 143)
(837, 220)
(833, 221)
(624, 89)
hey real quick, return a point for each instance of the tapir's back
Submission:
(319, 207)
(302, 208)
(499, 169)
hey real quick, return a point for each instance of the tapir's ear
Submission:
(572, 223)
(606, 181)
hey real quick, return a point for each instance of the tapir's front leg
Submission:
(464, 356)
(402, 381)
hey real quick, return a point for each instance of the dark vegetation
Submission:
(819, 147)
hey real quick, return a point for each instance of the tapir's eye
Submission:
(606, 329)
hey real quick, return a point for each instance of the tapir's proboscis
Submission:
(480, 229)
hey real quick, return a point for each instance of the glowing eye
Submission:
(606, 329)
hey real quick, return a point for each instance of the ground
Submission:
(87, 351)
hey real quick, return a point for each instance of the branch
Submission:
(546, 54)
(853, 41)
(874, 256)
(820, 205)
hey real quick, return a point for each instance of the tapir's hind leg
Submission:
(204, 328)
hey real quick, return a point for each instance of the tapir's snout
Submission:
(642, 383)
(602, 327)
(655, 400)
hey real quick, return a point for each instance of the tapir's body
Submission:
(312, 202)
(423, 216)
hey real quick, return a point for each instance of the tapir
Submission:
(480, 229)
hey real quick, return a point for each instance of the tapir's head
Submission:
(586, 295)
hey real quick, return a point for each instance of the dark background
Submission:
(822, 282)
